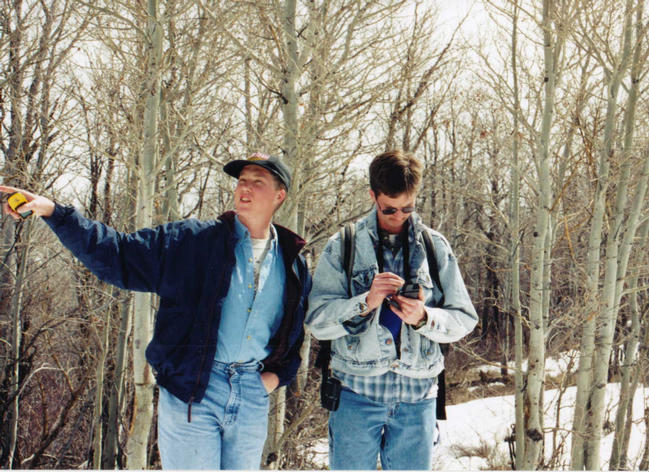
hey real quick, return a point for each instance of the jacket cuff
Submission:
(433, 325)
(354, 323)
(57, 218)
(358, 324)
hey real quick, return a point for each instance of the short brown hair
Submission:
(395, 172)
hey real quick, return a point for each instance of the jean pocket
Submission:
(260, 384)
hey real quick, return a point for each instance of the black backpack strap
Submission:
(433, 270)
(348, 251)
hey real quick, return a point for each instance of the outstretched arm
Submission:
(134, 261)
(40, 205)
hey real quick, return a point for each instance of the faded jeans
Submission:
(227, 428)
(362, 429)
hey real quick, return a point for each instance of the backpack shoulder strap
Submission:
(433, 268)
(348, 251)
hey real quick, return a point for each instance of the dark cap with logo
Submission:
(271, 163)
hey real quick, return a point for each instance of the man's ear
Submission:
(281, 196)
(373, 195)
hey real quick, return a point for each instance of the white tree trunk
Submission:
(644, 463)
(536, 358)
(16, 340)
(277, 412)
(596, 347)
(515, 301)
(170, 210)
(97, 440)
(629, 379)
(291, 72)
(143, 312)
(288, 212)
(116, 399)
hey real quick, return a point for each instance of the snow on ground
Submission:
(474, 435)
(566, 362)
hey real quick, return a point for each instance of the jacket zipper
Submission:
(202, 363)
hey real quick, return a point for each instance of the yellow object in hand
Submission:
(15, 201)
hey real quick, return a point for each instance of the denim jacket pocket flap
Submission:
(362, 280)
(423, 278)
(352, 343)
(432, 293)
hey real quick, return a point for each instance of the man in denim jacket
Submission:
(233, 294)
(385, 347)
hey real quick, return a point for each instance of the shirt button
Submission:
(248, 337)
(249, 310)
(388, 341)
(249, 285)
(250, 259)
(395, 365)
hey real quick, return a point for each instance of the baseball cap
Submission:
(271, 163)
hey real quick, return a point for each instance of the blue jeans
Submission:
(401, 433)
(227, 428)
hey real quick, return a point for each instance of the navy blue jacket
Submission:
(188, 264)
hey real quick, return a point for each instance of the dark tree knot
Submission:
(534, 434)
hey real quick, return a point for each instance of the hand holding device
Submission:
(408, 291)
(15, 201)
(408, 304)
(21, 203)
(385, 284)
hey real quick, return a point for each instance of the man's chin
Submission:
(243, 207)
(395, 227)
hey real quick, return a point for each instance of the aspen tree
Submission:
(515, 243)
(587, 421)
(629, 229)
(553, 43)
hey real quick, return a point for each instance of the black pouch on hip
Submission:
(330, 393)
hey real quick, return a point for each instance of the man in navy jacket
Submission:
(233, 294)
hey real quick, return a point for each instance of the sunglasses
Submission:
(392, 210)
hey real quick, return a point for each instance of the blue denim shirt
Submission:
(361, 345)
(250, 318)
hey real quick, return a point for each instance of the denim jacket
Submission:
(361, 345)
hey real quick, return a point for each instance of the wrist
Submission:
(422, 322)
(49, 208)
(370, 305)
(363, 308)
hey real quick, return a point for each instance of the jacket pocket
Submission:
(362, 280)
(430, 354)
(172, 340)
(361, 350)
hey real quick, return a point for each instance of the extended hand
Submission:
(384, 285)
(412, 310)
(41, 206)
